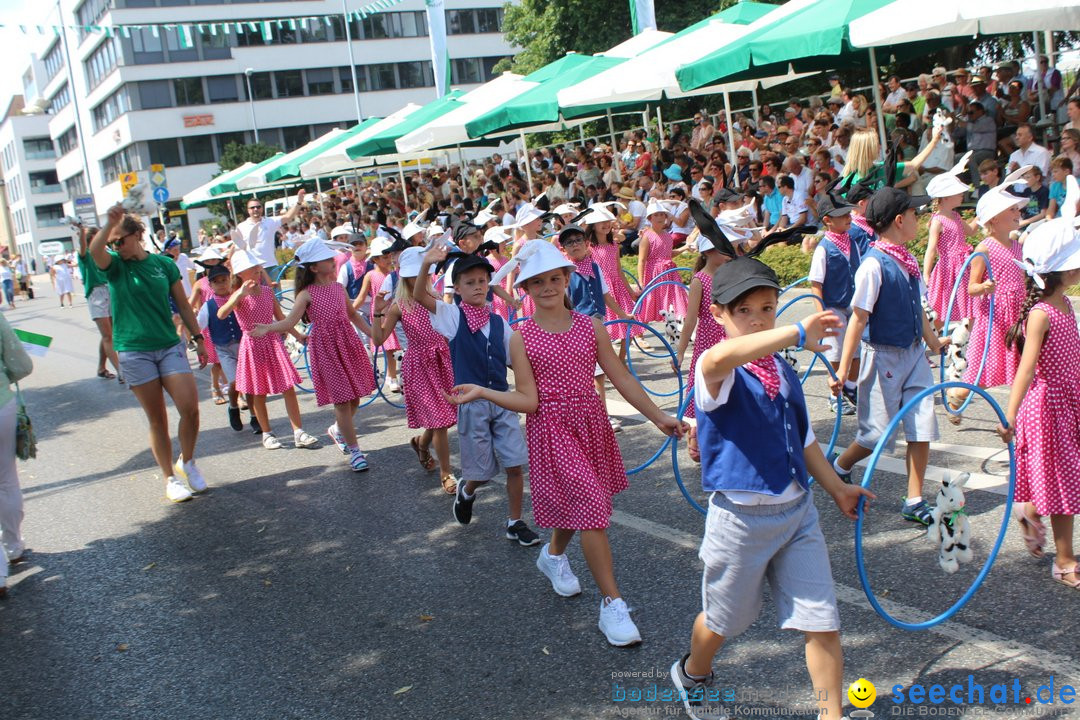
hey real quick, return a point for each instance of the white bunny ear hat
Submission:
(534, 258)
(998, 199)
(948, 183)
(1054, 246)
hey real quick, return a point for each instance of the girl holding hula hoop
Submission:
(1044, 404)
(947, 244)
(152, 357)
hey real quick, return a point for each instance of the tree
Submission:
(236, 154)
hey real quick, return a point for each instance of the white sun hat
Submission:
(948, 183)
(409, 262)
(379, 247)
(411, 229)
(656, 206)
(1054, 246)
(567, 209)
(998, 199)
(496, 235)
(537, 257)
(484, 217)
(243, 260)
(597, 214)
(346, 229)
(526, 214)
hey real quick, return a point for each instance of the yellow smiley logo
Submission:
(862, 693)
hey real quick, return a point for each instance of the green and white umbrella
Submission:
(201, 195)
(383, 143)
(921, 20)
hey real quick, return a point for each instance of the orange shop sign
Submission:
(198, 120)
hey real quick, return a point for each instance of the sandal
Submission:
(449, 484)
(1059, 575)
(954, 406)
(219, 398)
(105, 374)
(424, 456)
(1034, 532)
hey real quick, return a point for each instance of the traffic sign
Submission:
(128, 180)
(157, 176)
(85, 209)
(161, 195)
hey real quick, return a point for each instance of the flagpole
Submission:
(528, 165)
(352, 62)
(611, 130)
(730, 127)
(877, 102)
(404, 192)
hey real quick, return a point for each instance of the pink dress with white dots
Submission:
(340, 369)
(668, 297)
(953, 250)
(426, 372)
(1010, 290)
(606, 258)
(390, 344)
(208, 342)
(263, 366)
(498, 305)
(1048, 424)
(574, 462)
(708, 333)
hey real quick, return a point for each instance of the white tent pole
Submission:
(1043, 109)
(528, 163)
(730, 127)
(461, 158)
(659, 127)
(874, 82)
(645, 120)
(404, 190)
(757, 108)
(611, 130)
(318, 187)
(581, 133)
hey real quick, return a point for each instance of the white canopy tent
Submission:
(258, 178)
(335, 159)
(916, 20)
(202, 194)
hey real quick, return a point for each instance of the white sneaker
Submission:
(394, 386)
(176, 491)
(303, 439)
(187, 471)
(557, 569)
(616, 424)
(270, 442)
(616, 624)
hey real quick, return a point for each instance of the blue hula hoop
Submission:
(637, 308)
(630, 275)
(380, 385)
(813, 360)
(800, 281)
(945, 328)
(675, 448)
(630, 362)
(872, 464)
(678, 375)
(380, 378)
(794, 300)
(665, 272)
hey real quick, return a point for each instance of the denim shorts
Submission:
(140, 367)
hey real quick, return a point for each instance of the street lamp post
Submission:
(251, 102)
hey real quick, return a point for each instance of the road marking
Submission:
(1001, 648)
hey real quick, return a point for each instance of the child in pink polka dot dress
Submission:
(381, 255)
(575, 468)
(340, 369)
(1044, 403)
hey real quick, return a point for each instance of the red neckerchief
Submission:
(475, 317)
(842, 241)
(900, 254)
(584, 266)
(764, 369)
(859, 220)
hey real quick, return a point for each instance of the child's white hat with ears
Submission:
(534, 258)
(948, 183)
(1054, 246)
(998, 199)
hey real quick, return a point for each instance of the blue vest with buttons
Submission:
(222, 332)
(839, 285)
(477, 359)
(587, 294)
(861, 238)
(352, 287)
(897, 318)
(752, 443)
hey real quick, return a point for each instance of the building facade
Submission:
(119, 104)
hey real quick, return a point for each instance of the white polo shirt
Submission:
(260, 240)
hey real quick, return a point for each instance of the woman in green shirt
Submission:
(864, 161)
(152, 358)
(97, 300)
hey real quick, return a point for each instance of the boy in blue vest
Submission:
(589, 294)
(832, 278)
(479, 351)
(225, 335)
(888, 304)
(860, 231)
(758, 451)
(348, 276)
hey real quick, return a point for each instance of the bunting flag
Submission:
(642, 15)
(440, 56)
(185, 32)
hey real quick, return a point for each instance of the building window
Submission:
(316, 31)
(376, 27)
(189, 91)
(111, 108)
(49, 215)
(217, 46)
(147, 47)
(54, 62)
(164, 152)
(177, 52)
(346, 79)
(296, 136)
(9, 155)
(154, 94)
(198, 149)
(45, 181)
(416, 74)
(320, 81)
(118, 163)
(68, 141)
(289, 83)
(413, 24)
(464, 71)
(100, 63)
(222, 89)
(223, 140)
(38, 148)
(76, 185)
(246, 37)
(261, 86)
(60, 100)
(89, 13)
(382, 76)
(489, 20)
(14, 190)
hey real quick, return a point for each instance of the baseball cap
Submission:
(215, 271)
(571, 229)
(889, 202)
(467, 262)
(833, 207)
(734, 278)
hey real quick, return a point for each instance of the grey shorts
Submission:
(746, 546)
(834, 344)
(140, 367)
(888, 378)
(98, 302)
(488, 436)
(227, 357)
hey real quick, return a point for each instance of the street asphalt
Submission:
(298, 589)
